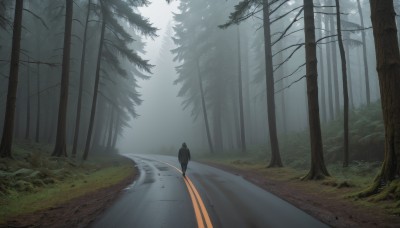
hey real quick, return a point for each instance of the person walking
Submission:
(184, 157)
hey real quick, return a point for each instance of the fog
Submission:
(162, 124)
(179, 77)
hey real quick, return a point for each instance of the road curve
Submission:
(208, 197)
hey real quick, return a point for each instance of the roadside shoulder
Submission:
(80, 210)
(327, 206)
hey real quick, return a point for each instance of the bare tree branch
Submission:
(37, 17)
(288, 47)
(285, 14)
(277, 33)
(289, 75)
(296, 18)
(287, 87)
(279, 6)
(78, 21)
(288, 58)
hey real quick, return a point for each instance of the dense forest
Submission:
(70, 75)
(281, 67)
(251, 72)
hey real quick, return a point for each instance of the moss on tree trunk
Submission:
(388, 67)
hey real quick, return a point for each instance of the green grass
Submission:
(343, 185)
(358, 174)
(366, 154)
(69, 179)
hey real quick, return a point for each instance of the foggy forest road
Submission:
(209, 197)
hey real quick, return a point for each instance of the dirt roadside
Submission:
(79, 212)
(329, 207)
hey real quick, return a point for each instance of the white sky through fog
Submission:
(161, 118)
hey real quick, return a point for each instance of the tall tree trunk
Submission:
(246, 85)
(37, 134)
(218, 139)
(329, 65)
(115, 136)
(81, 76)
(349, 74)
(335, 68)
(8, 127)
(60, 148)
(345, 90)
(236, 122)
(17, 121)
(318, 169)
(322, 74)
(28, 102)
(398, 23)
(275, 155)
(364, 48)
(52, 128)
(346, 37)
(110, 129)
(240, 84)
(203, 106)
(104, 130)
(95, 91)
(281, 86)
(388, 67)
(232, 137)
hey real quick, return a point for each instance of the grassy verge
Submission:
(343, 185)
(366, 154)
(34, 181)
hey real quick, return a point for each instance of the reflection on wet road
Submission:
(209, 197)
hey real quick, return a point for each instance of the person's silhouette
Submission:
(184, 157)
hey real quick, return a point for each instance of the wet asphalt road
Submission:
(161, 197)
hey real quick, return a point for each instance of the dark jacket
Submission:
(184, 155)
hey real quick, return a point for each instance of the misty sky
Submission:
(162, 123)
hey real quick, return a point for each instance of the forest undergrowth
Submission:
(366, 155)
(33, 180)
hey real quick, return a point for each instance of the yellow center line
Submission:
(203, 208)
(199, 219)
(197, 202)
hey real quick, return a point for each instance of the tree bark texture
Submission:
(345, 88)
(388, 67)
(318, 169)
(275, 155)
(8, 127)
(60, 148)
